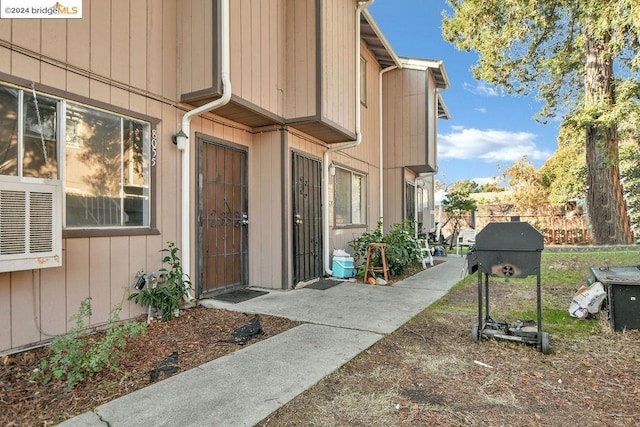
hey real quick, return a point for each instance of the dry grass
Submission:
(426, 373)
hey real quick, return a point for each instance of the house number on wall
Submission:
(154, 147)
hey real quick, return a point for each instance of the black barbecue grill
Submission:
(507, 250)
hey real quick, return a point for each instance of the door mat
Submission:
(239, 295)
(323, 284)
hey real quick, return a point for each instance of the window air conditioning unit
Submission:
(30, 223)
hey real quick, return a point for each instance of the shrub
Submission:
(174, 285)
(402, 249)
(77, 356)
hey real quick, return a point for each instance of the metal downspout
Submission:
(182, 138)
(362, 5)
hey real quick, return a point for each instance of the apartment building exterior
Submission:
(257, 135)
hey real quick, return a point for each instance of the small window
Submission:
(410, 202)
(350, 198)
(363, 81)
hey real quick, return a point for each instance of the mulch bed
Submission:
(197, 336)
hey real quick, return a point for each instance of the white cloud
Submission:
(486, 180)
(489, 145)
(480, 88)
(481, 110)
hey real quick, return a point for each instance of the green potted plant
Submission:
(173, 286)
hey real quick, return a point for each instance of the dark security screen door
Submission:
(223, 217)
(307, 218)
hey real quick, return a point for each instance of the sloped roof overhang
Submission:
(376, 42)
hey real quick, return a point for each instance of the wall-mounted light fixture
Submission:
(180, 139)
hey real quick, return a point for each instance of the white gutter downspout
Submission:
(182, 137)
(362, 5)
(381, 140)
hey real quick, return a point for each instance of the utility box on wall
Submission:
(623, 295)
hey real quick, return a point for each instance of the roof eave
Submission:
(383, 52)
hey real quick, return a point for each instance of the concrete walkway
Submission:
(244, 387)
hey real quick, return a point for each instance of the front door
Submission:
(223, 217)
(307, 218)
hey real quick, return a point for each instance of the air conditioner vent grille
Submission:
(30, 223)
(41, 222)
(12, 222)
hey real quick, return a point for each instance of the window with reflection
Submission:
(106, 156)
(107, 169)
(350, 204)
(40, 159)
(8, 131)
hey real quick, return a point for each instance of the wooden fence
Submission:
(557, 230)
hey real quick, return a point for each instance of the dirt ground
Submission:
(428, 372)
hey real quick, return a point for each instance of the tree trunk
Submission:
(605, 199)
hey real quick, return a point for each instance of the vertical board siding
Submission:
(138, 24)
(405, 132)
(338, 62)
(54, 34)
(26, 33)
(257, 41)
(6, 312)
(200, 27)
(100, 38)
(132, 43)
(100, 279)
(369, 148)
(196, 49)
(300, 59)
(120, 48)
(169, 52)
(23, 293)
(52, 300)
(77, 272)
(161, 49)
(265, 209)
(155, 68)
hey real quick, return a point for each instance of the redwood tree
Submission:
(565, 52)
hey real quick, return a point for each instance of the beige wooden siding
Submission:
(257, 52)
(130, 54)
(300, 58)
(338, 62)
(196, 28)
(265, 211)
(364, 158)
(404, 94)
(393, 196)
(130, 64)
(369, 148)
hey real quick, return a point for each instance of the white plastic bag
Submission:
(587, 301)
(340, 253)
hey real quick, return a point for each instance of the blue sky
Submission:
(487, 131)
